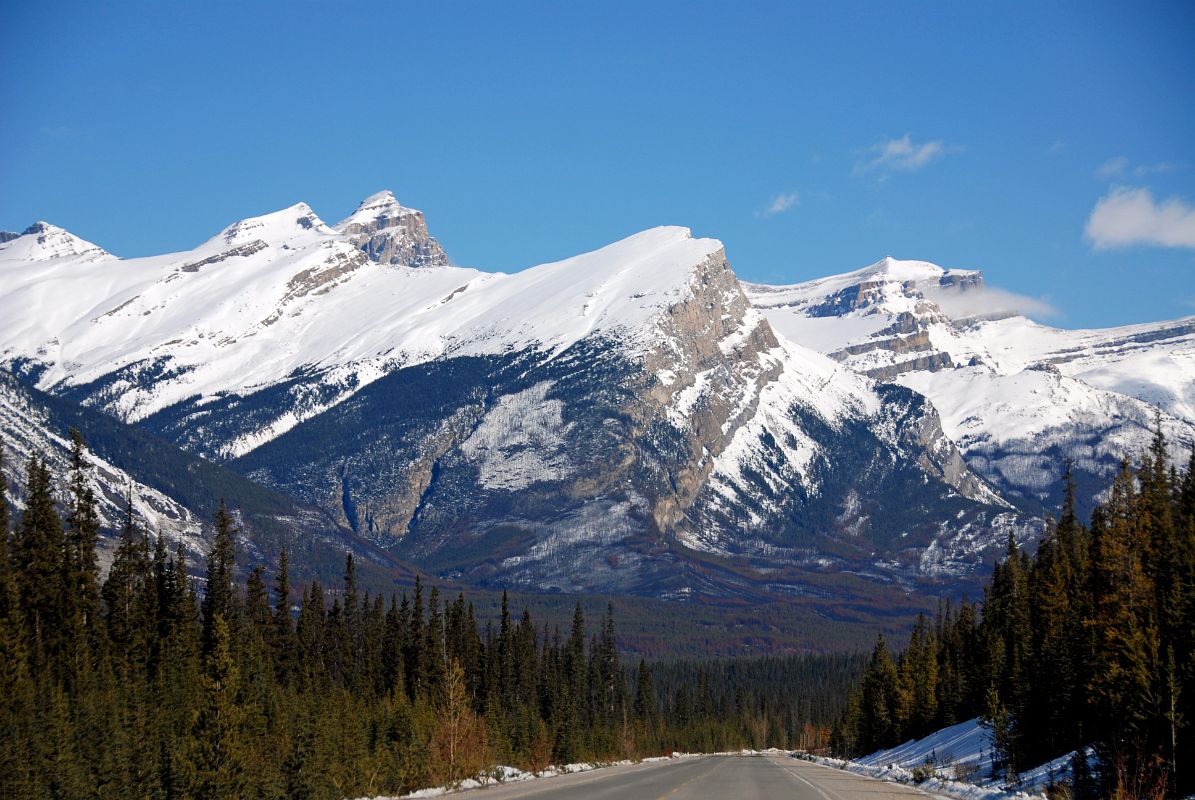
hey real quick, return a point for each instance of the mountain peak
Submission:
(390, 233)
(292, 221)
(379, 208)
(42, 241)
(898, 269)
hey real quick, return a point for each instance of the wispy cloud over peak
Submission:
(989, 300)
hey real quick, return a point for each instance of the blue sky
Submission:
(1050, 144)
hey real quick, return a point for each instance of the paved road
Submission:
(762, 777)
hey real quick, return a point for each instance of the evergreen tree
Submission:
(218, 594)
(282, 636)
(122, 596)
(214, 758)
(38, 553)
(83, 528)
(19, 776)
(881, 701)
(645, 694)
(919, 679)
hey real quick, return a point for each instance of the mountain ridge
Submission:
(1018, 397)
(633, 419)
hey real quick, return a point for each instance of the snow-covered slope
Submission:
(283, 294)
(1016, 396)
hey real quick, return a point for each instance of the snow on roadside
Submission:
(940, 786)
(504, 774)
(961, 760)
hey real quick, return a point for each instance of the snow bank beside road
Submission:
(960, 758)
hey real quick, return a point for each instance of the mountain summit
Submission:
(390, 233)
(42, 241)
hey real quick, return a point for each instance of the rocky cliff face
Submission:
(390, 234)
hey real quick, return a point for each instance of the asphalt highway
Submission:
(752, 777)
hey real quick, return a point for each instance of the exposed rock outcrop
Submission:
(390, 233)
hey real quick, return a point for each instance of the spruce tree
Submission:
(433, 647)
(645, 694)
(218, 593)
(121, 593)
(19, 774)
(83, 527)
(38, 555)
(1126, 631)
(880, 701)
(282, 635)
(214, 758)
(919, 678)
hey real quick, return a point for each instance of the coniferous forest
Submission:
(1089, 641)
(151, 682)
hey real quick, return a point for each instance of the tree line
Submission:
(149, 682)
(1089, 641)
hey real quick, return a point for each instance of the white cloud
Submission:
(974, 302)
(1128, 216)
(781, 203)
(1113, 167)
(1119, 167)
(1161, 166)
(903, 155)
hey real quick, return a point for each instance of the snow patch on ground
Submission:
(505, 774)
(521, 441)
(961, 758)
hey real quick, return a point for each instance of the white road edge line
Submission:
(803, 780)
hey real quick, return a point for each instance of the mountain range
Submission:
(634, 420)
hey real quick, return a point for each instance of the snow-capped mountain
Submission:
(1017, 397)
(622, 420)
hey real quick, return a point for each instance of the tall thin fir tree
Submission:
(83, 526)
(221, 563)
(215, 758)
(38, 551)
